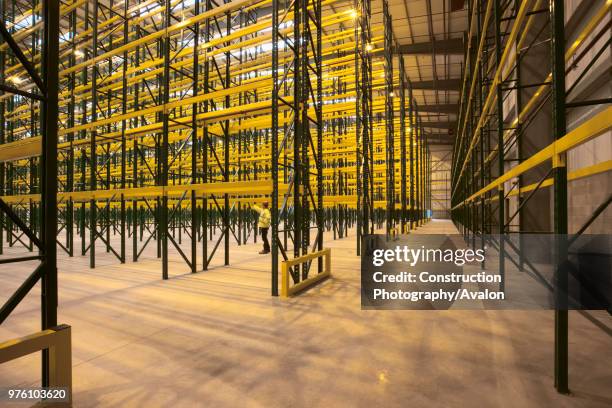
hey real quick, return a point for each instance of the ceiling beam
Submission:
(439, 125)
(440, 84)
(440, 108)
(439, 143)
(450, 46)
(439, 138)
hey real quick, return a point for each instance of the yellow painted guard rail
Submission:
(287, 290)
(58, 340)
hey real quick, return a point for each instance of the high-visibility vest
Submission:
(264, 217)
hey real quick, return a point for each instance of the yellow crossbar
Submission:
(21, 149)
(588, 130)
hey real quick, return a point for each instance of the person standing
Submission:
(264, 225)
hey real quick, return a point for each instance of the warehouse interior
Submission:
(138, 138)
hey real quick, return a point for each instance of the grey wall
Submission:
(586, 194)
(441, 156)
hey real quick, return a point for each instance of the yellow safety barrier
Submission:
(58, 341)
(287, 290)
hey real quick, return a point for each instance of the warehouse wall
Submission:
(586, 194)
(534, 68)
(441, 160)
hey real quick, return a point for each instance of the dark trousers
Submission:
(264, 237)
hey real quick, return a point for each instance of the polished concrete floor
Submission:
(217, 339)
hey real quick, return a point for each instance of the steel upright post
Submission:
(69, 208)
(163, 156)
(422, 150)
(3, 189)
(402, 96)
(359, 49)
(319, 126)
(363, 119)
(274, 148)
(482, 89)
(194, 141)
(298, 129)
(205, 145)
(519, 152)
(557, 35)
(135, 209)
(412, 139)
(124, 102)
(417, 172)
(500, 147)
(389, 117)
(49, 176)
(93, 231)
(226, 147)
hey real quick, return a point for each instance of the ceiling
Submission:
(429, 37)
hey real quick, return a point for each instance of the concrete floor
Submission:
(217, 339)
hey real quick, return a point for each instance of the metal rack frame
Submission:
(491, 171)
(175, 117)
(44, 130)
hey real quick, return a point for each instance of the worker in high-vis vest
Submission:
(264, 224)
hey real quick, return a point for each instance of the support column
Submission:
(560, 194)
